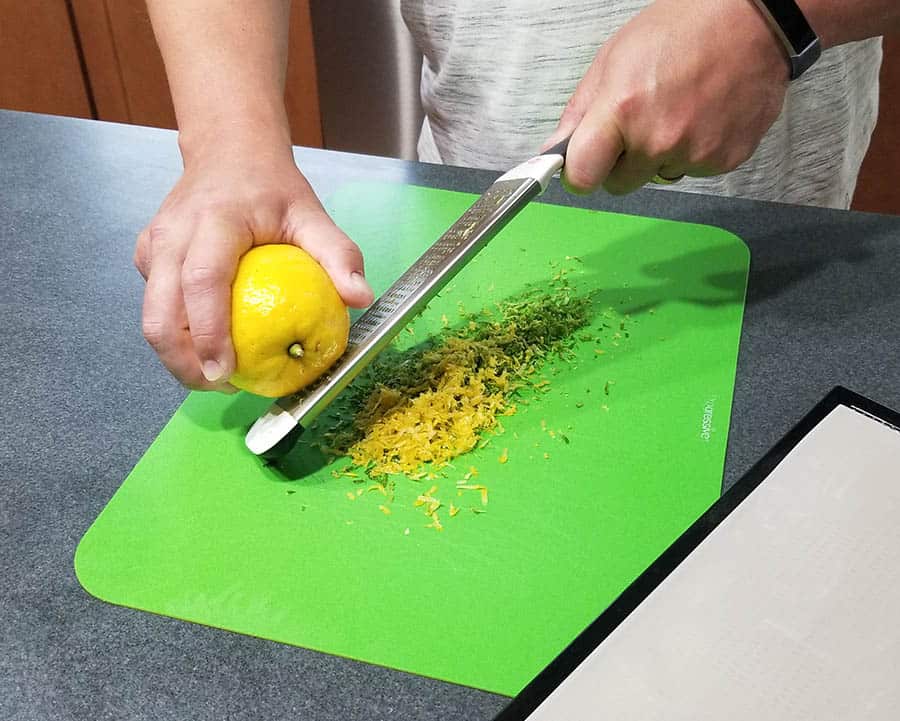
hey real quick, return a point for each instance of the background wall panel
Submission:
(101, 59)
(128, 79)
(40, 66)
(878, 189)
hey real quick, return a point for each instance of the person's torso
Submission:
(496, 77)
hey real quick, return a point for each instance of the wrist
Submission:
(250, 134)
(760, 45)
(788, 24)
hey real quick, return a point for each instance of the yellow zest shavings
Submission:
(474, 487)
(418, 409)
(429, 501)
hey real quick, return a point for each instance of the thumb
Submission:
(341, 258)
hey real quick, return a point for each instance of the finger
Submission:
(165, 323)
(341, 258)
(206, 278)
(632, 170)
(594, 150)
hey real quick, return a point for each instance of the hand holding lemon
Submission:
(288, 323)
(237, 196)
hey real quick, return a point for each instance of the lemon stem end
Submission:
(295, 350)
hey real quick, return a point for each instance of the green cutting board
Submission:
(621, 452)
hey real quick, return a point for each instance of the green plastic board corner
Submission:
(620, 454)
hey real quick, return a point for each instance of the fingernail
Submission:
(359, 280)
(212, 371)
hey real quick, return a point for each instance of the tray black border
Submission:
(527, 701)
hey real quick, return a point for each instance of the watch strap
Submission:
(795, 33)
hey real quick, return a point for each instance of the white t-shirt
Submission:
(497, 75)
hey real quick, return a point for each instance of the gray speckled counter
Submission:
(83, 397)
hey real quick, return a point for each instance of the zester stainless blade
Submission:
(276, 431)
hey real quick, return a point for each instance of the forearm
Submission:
(843, 21)
(225, 62)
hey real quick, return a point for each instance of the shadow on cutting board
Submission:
(237, 415)
(706, 277)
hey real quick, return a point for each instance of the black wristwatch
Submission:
(799, 39)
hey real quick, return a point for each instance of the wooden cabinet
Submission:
(878, 190)
(124, 68)
(98, 59)
(40, 67)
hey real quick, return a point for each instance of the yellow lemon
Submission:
(288, 323)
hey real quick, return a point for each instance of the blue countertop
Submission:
(84, 396)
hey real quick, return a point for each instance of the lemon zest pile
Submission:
(425, 406)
